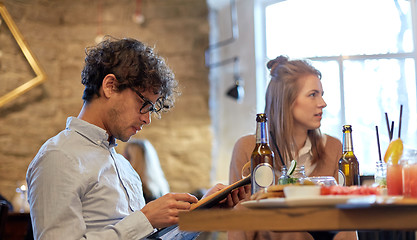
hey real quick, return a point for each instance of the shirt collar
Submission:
(90, 131)
(306, 149)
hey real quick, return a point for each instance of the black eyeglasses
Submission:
(148, 106)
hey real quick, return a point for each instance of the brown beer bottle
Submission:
(348, 164)
(262, 158)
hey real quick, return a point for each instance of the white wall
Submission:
(231, 119)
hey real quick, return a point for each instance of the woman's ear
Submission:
(109, 85)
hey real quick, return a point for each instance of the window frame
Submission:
(261, 55)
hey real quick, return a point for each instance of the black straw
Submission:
(391, 134)
(389, 131)
(401, 118)
(276, 146)
(379, 146)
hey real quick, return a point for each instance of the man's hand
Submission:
(233, 198)
(163, 212)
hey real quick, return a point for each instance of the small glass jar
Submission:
(284, 177)
(296, 177)
(381, 174)
(299, 173)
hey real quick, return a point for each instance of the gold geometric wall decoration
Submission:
(39, 72)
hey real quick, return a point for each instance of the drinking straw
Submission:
(389, 131)
(276, 146)
(379, 146)
(401, 118)
(391, 134)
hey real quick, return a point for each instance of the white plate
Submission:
(327, 200)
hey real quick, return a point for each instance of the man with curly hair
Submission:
(79, 187)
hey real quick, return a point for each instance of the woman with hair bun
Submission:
(294, 107)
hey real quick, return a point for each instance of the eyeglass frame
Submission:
(152, 107)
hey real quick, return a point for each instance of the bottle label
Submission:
(261, 133)
(342, 178)
(263, 175)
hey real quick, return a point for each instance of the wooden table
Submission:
(401, 215)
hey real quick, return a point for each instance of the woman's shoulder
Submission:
(333, 147)
(243, 148)
(242, 151)
(246, 140)
(245, 144)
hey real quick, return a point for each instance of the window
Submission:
(366, 53)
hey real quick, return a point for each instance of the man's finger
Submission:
(185, 197)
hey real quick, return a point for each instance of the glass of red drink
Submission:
(394, 179)
(409, 173)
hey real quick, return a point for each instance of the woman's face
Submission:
(307, 108)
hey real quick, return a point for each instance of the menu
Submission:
(207, 202)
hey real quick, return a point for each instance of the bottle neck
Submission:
(347, 142)
(261, 132)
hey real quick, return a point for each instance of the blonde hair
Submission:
(144, 159)
(280, 96)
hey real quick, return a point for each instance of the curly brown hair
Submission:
(135, 66)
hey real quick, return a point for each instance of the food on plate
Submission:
(308, 181)
(264, 195)
(349, 190)
(320, 180)
(302, 191)
(274, 191)
(277, 191)
(287, 179)
(308, 188)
